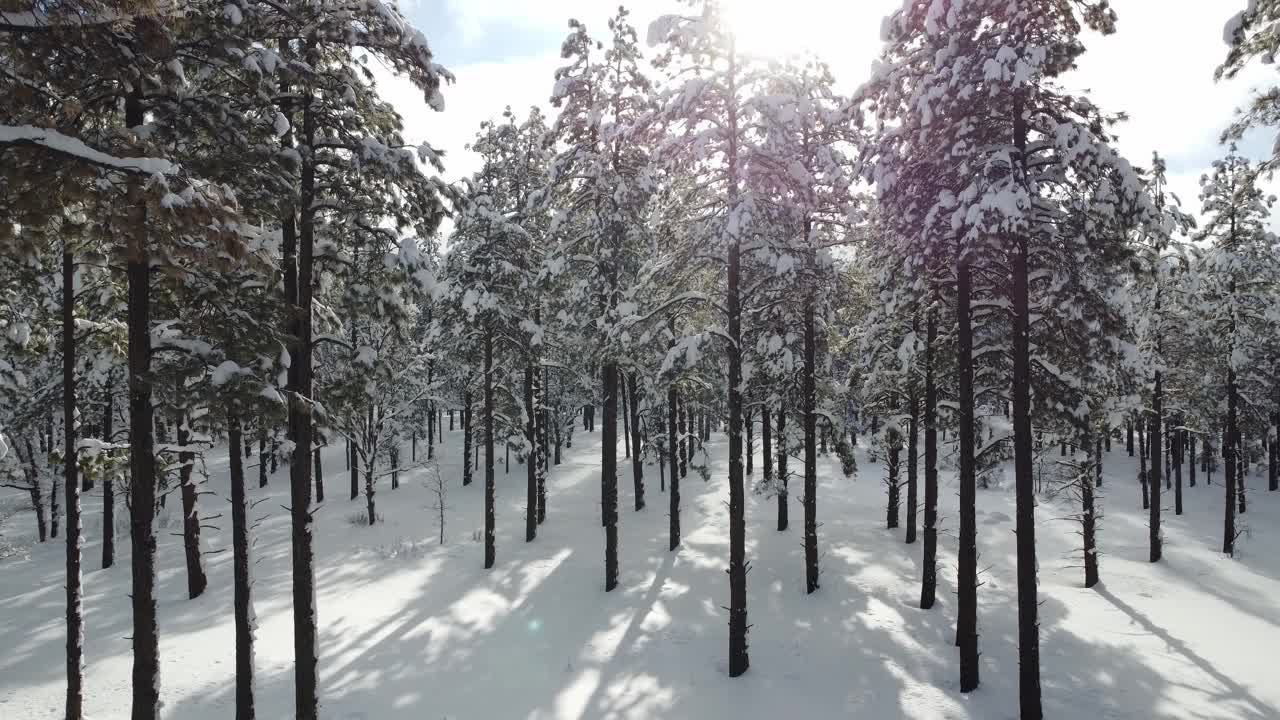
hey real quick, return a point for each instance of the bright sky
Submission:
(1158, 68)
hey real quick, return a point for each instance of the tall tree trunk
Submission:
(75, 617)
(242, 595)
(530, 466)
(1088, 518)
(784, 505)
(490, 550)
(637, 462)
(142, 462)
(109, 489)
(893, 457)
(1191, 459)
(1142, 466)
(1154, 438)
(748, 426)
(1025, 518)
(684, 437)
(810, 448)
(1177, 472)
(739, 660)
(353, 463)
(466, 437)
(609, 474)
(1229, 461)
(913, 456)
(1128, 436)
(197, 581)
(929, 565)
(967, 578)
(673, 510)
(299, 282)
(626, 419)
(766, 442)
(262, 453)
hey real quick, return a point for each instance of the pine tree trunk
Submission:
(891, 467)
(609, 474)
(1229, 461)
(75, 617)
(1191, 459)
(262, 453)
(1128, 436)
(766, 443)
(109, 490)
(299, 283)
(1142, 466)
(1154, 438)
(929, 565)
(242, 601)
(637, 462)
(784, 505)
(197, 580)
(466, 437)
(370, 482)
(626, 419)
(530, 466)
(1025, 522)
(1177, 472)
(353, 463)
(739, 660)
(810, 449)
(142, 485)
(913, 456)
(490, 549)
(1088, 519)
(750, 450)
(673, 500)
(967, 577)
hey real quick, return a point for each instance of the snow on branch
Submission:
(66, 145)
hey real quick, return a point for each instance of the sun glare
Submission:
(777, 29)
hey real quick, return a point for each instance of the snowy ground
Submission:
(410, 629)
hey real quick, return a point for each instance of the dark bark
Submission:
(739, 660)
(531, 472)
(748, 424)
(109, 490)
(626, 419)
(766, 443)
(299, 283)
(1177, 473)
(242, 593)
(1154, 438)
(673, 510)
(142, 468)
(75, 617)
(1191, 459)
(913, 457)
(967, 576)
(490, 549)
(353, 464)
(894, 498)
(784, 505)
(197, 580)
(1025, 526)
(466, 437)
(262, 453)
(1128, 436)
(637, 462)
(809, 390)
(1142, 467)
(683, 408)
(929, 565)
(609, 474)
(1229, 462)
(1088, 519)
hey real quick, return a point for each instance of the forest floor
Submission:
(409, 628)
